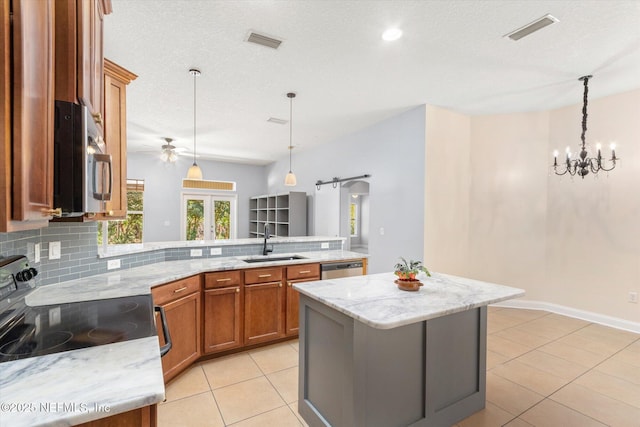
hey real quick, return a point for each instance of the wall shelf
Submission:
(285, 213)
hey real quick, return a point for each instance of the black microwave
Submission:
(82, 178)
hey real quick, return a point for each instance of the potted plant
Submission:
(407, 272)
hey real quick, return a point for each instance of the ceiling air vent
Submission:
(263, 40)
(277, 120)
(532, 27)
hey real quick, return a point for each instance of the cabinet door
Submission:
(90, 17)
(116, 80)
(222, 319)
(263, 312)
(32, 127)
(183, 319)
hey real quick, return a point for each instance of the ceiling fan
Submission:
(168, 152)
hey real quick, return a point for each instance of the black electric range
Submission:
(35, 331)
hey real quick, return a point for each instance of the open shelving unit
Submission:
(286, 214)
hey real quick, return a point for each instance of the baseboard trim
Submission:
(589, 316)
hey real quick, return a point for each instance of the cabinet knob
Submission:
(54, 212)
(98, 118)
(237, 290)
(290, 284)
(280, 284)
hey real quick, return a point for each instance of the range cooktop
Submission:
(36, 331)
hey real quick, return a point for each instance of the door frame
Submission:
(208, 197)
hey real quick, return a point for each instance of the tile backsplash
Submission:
(79, 251)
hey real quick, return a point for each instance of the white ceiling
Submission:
(452, 54)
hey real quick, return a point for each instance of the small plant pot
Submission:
(408, 285)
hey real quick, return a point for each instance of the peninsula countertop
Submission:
(96, 382)
(375, 300)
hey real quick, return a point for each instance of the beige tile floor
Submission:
(543, 369)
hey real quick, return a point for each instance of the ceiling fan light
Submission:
(290, 179)
(194, 172)
(164, 156)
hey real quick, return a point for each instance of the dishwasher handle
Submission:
(165, 331)
(340, 266)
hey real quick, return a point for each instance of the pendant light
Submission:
(194, 171)
(290, 179)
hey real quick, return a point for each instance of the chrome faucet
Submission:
(265, 251)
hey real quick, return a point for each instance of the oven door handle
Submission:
(165, 331)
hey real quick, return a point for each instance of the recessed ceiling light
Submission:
(392, 34)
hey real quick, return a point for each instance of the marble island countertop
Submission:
(76, 386)
(375, 299)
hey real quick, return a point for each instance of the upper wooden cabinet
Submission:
(26, 113)
(79, 53)
(116, 80)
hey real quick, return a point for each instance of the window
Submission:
(353, 218)
(208, 216)
(130, 229)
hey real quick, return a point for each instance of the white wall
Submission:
(163, 186)
(566, 241)
(392, 152)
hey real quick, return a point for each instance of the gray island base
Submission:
(372, 355)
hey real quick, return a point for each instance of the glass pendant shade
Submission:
(290, 179)
(194, 172)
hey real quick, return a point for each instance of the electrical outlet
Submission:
(382, 231)
(112, 264)
(324, 245)
(196, 252)
(54, 250)
(216, 251)
(633, 297)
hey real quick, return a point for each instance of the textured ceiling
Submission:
(452, 54)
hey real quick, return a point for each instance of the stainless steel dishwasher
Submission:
(335, 270)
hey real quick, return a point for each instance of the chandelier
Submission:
(584, 164)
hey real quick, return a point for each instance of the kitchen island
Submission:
(373, 355)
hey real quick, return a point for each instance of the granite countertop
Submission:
(82, 385)
(375, 300)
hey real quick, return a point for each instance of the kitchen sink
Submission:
(270, 259)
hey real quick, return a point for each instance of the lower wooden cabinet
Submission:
(297, 274)
(222, 319)
(141, 417)
(181, 301)
(263, 312)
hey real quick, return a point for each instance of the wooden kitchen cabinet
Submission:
(223, 309)
(26, 114)
(116, 80)
(264, 299)
(141, 417)
(181, 301)
(79, 63)
(297, 274)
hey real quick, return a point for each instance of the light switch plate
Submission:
(36, 257)
(216, 251)
(324, 245)
(196, 252)
(54, 250)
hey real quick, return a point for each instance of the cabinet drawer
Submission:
(222, 279)
(263, 275)
(179, 288)
(305, 271)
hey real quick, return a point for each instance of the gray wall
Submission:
(393, 153)
(163, 186)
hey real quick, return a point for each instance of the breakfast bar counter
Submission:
(373, 355)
